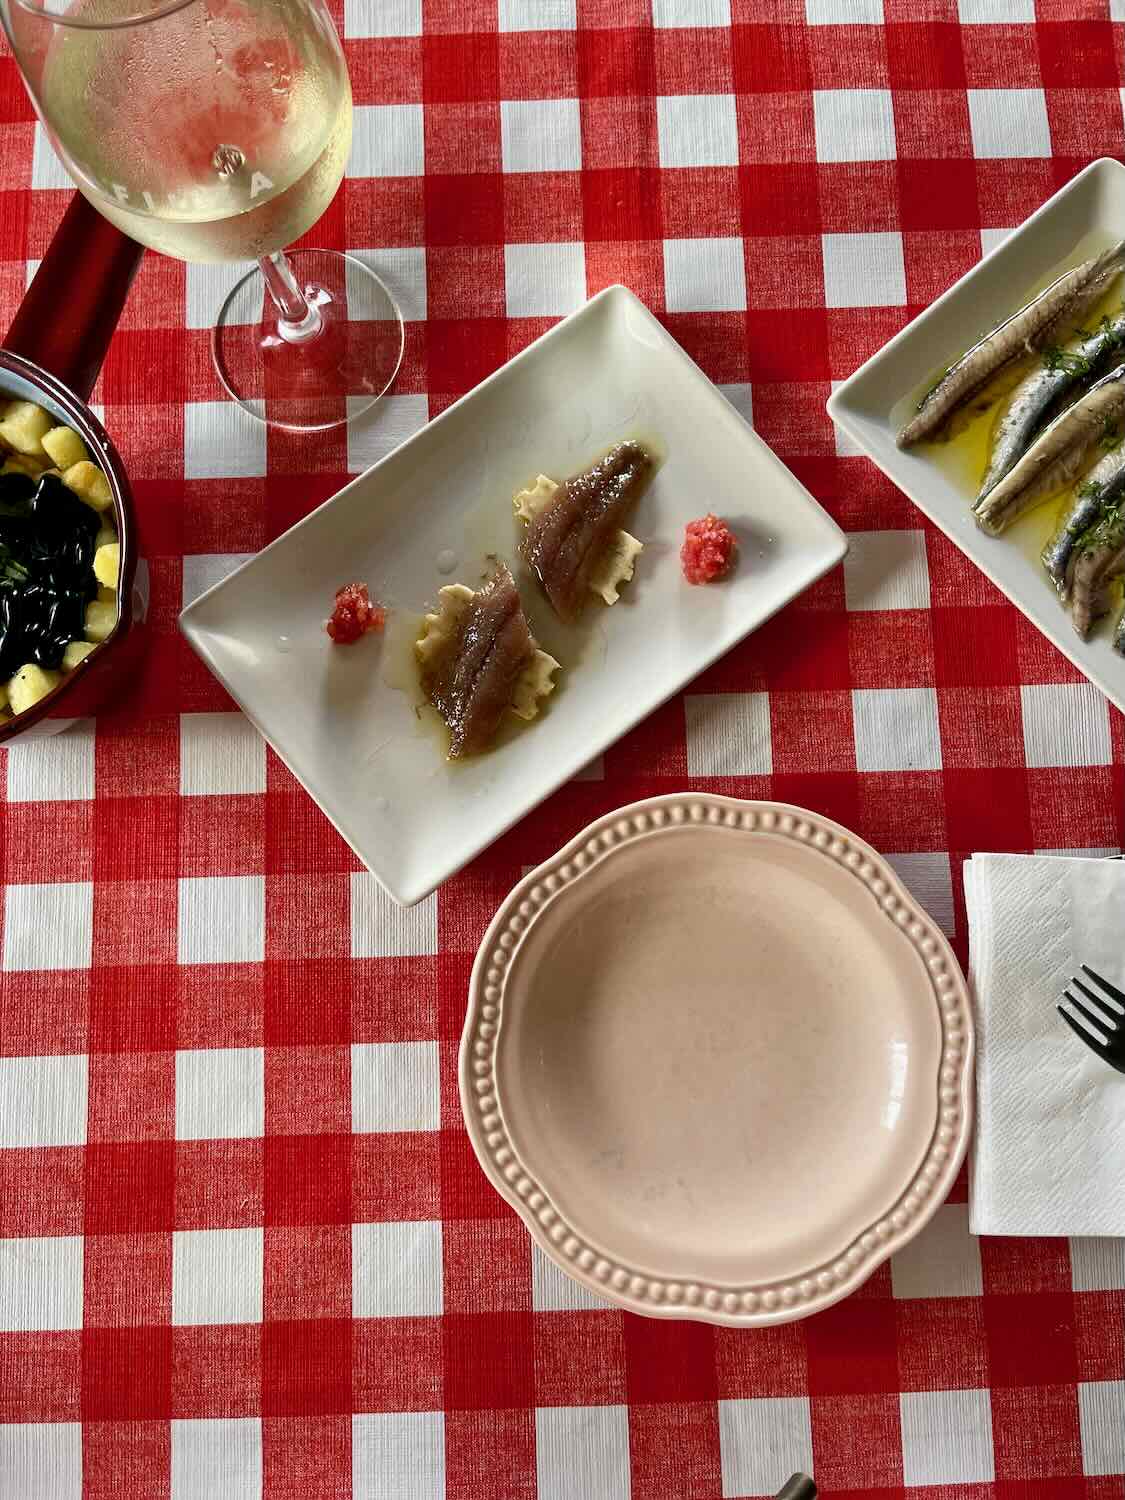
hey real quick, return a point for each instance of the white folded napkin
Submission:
(1047, 1153)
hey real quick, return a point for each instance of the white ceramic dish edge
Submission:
(743, 1307)
(1043, 612)
(408, 895)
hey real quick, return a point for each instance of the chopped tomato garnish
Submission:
(709, 549)
(354, 615)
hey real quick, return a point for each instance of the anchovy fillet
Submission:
(1103, 486)
(1030, 403)
(471, 675)
(1056, 456)
(1099, 559)
(1069, 296)
(565, 542)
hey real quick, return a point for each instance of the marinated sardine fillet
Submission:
(1097, 561)
(1057, 456)
(569, 540)
(1034, 325)
(1044, 393)
(1103, 486)
(479, 660)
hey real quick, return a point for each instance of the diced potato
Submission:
(89, 484)
(75, 652)
(107, 596)
(101, 617)
(106, 562)
(28, 685)
(105, 535)
(64, 447)
(17, 464)
(23, 426)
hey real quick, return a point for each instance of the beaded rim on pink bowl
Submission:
(596, 1266)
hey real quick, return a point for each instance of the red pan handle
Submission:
(68, 314)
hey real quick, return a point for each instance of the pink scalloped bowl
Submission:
(718, 1060)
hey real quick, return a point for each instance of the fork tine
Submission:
(1110, 989)
(1093, 1016)
(1100, 1004)
(1082, 1034)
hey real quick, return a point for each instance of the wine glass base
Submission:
(314, 382)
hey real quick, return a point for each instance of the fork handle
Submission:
(800, 1487)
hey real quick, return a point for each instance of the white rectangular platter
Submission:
(1085, 216)
(344, 719)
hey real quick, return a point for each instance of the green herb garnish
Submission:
(1104, 532)
(1079, 362)
(1070, 361)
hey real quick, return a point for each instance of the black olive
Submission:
(80, 556)
(16, 491)
(49, 532)
(45, 652)
(60, 509)
(65, 616)
(16, 531)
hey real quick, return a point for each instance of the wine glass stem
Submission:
(298, 319)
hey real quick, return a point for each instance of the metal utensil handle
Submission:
(800, 1487)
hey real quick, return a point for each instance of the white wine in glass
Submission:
(218, 130)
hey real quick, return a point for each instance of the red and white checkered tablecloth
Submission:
(245, 1249)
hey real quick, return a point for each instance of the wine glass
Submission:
(218, 130)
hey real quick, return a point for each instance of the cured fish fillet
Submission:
(478, 660)
(567, 540)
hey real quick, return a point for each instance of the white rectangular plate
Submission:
(343, 717)
(1083, 217)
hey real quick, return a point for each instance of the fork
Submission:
(1105, 1011)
